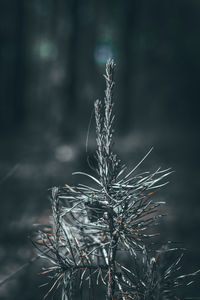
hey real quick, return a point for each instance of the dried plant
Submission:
(94, 226)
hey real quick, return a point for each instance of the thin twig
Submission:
(10, 173)
(21, 268)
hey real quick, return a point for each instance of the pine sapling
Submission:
(94, 227)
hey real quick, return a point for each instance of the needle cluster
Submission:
(94, 227)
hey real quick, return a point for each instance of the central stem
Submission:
(111, 259)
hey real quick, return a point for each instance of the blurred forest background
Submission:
(52, 58)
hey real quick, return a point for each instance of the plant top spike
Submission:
(107, 161)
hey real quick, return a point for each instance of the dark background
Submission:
(52, 58)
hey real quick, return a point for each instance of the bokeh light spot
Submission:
(102, 53)
(45, 49)
(65, 153)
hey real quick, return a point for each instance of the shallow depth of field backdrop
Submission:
(52, 58)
